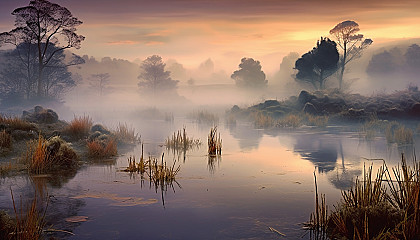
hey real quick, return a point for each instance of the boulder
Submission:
(305, 97)
(40, 115)
(310, 108)
(100, 128)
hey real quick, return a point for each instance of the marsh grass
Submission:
(102, 149)
(30, 222)
(384, 207)
(262, 120)
(214, 142)
(79, 127)
(160, 173)
(134, 167)
(291, 121)
(394, 132)
(37, 155)
(204, 117)
(179, 141)
(16, 123)
(126, 134)
(318, 121)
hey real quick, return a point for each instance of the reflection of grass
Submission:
(204, 117)
(214, 142)
(394, 131)
(386, 207)
(180, 141)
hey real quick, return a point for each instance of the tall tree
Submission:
(42, 23)
(317, 65)
(100, 81)
(250, 74)
(154, 77)
(351, 42)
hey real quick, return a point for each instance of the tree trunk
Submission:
(343, 64)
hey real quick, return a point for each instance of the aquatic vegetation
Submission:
(49, 155)
(16, 123)
(385, 207)
(204, 117)
(139, 167)
(169, 117)
(262, 120)
(79, 127)
(290, 121)
(403, 135)
(318, 121)
(214, 142)
(102, 149)
(126, 134)
(180, 141)
(160, 174)
(230, 119)
(5, 141)
(30, 222)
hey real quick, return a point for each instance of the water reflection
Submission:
(212, 161)
(248, 137)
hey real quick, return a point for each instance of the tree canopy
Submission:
(48, 26)
(351, 42)
(317, 65)
(153, 76)
(250, 74)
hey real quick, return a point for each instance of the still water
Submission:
(263, 179)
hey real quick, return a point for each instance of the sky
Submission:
(192, 31)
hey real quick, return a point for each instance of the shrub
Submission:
(102, 149)
(79, 127)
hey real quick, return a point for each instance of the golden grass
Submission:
(385, 207)
(262, 120)
(180, 141)
(102, 149)
(80, 126)
(161, 174)
(37, 155)
(291, 121)
(403, 135)
(318, 121)
(30, 222)
(214, 142)
(16, 123)
(126, 134)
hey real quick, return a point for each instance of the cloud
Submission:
(126, 42)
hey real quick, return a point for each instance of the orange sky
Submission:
(191, 31)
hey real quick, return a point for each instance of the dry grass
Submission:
(16, 123)
(205, 117)
(318, 121)
(161, 174)
(386, 207)
(30, 222)
(214, 142)
(180, 141)
(291, 121)
(262, 120)
(79, 127)
(403, 135)
(102, 149)
(126, 134)
(37, 155)
(139, 167)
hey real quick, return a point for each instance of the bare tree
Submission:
(100, 81)
(352, 44)
(43, 23)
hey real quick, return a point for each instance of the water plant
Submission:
(102, 148)
(385, 207)
(204, 117)
(79, 127)
(126, 134)
(214, 142)
(262, 120)
(290, 121)
(160, 173)
(180, 141)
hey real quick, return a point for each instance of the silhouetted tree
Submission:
(412, 58)
(352, 44)
(100, 81)
(154, 77)
(41, 23)
(317, 65)
(381, 64)
(19, 78)
(250, 74)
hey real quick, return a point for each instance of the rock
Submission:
(310, 108)
(94, 136)
(356, 112)
(235, 109)
(61, 154)
(415, 110)
(99, 128)
(305, 97)
(40, 115)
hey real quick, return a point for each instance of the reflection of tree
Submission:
(248, 137)
(211, 162)
(321, 152)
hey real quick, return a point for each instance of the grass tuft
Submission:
(79, 127)
(126, 134)
(179, 141)
(214, 142)
(16, 123)
(5, 141)
(102, 149)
